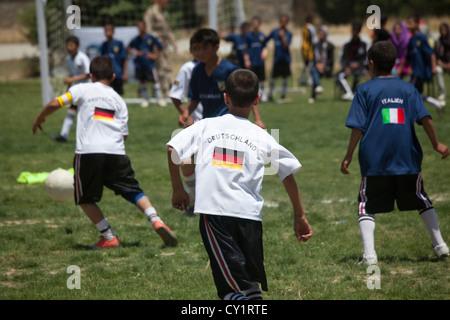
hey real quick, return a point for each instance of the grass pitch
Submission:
(41, 238)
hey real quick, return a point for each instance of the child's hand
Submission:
(302, 229)
(37, 124)
(442, 149)
(345, 164)
(180, 200)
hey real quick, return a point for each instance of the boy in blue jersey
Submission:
(146, 48)
(115, 51)
(423, 61)
(239, 45)
(383, 114)
(256, 54)
(282, 59)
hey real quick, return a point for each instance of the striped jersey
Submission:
(386, 110)
(102, 118)
(232, 155)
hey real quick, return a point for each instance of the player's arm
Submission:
(354, 139)
(180, 198)
(302, 228)
(257, 114)
(50, 108)
(428, 126)
(181, 110)
(70, 80)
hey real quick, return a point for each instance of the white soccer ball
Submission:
(59, 185)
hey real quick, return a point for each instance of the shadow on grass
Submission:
(387, 259)
(79, 246)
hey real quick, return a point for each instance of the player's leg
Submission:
(188, 173)
(88, 189)
(412, 196)
(376, 195)
(67, 125)
(228, 261)
(342, 82)
(157, 87)
(120, 177)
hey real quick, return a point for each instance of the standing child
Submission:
(146, 48)
(423, 61)
(257, 54)
(383, 115)
(207, 86)
(239, 44)
(353, 62)
(231, 153)
(115, 50)
(78, 64)
(100, 158)
(282, 58)
(442, 49)
(307, 49)
(180, 88)
(323, 61)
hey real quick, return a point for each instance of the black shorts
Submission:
(117, 85)
(93, 171)
(418, 83)
(235, 249)
(147, 75)
(379, 193)
(281, 69)
(260, 72)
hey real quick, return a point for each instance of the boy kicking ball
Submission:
(230, 154)
(100, 158)
(382, 115)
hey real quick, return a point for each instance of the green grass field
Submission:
(41, 238)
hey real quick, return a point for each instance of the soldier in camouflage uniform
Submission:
(157, 25)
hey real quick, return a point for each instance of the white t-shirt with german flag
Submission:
(231, 157)
(102, 118)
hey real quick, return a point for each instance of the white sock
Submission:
(430, 220)
(105, 229)
(151, 215)
(67, 124)
(367, 228)
(435, 102)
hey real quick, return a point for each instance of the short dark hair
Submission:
(357, 26)
(383, 54)
(101, 68)
(73, 39)
(206, 36)
(242, 87)
(415, 17)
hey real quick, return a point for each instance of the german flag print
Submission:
(103, 114)
(228, 158)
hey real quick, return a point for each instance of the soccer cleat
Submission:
(162, 103)
(311, 100)
(319, 89)
(348, 96)
(368, 260)
(441, 250)
(58, 138)
(104, 243)
(168, 237)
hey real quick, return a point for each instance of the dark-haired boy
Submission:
(78, 65)
(230, 155)
(383, 115)
(115, 50)
(353, 62)
(100, 158)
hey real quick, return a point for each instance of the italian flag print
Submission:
(393, 115)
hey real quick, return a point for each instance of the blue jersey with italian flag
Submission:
(386, 110)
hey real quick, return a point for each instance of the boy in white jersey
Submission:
(100, 158)
(230, 154)
(180, 87)
(78, 65)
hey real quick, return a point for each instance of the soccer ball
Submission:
(59, 185)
